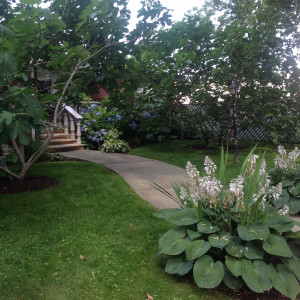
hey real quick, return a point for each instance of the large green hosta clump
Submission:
(232, 234)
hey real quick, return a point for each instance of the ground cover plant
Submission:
(232, 233)
(90, 237)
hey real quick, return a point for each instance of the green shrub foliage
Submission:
(231, 233)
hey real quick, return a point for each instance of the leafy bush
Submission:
(98, 121)
(112, 143)
(287, 171)
(57, 156)
(231, 234)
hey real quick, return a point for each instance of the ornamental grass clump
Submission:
(287, 171)
(228, 231)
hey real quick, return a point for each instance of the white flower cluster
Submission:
(286, 162)
(192, 172)
(276, 191)
(284, 210)
(210, 189)
(250, 167)
(209, 166)
(236, 190)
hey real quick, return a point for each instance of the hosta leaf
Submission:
(256, 276)
(294, 206)
(193, 234)
(295, 189)
(184, 216)
(208, 274)
(253, 250)
(165, 213)
(233, 282)
(292, 235)
(178, 265)
(219, 240)
(256, 231)
(174, 241)
(287, 182)
(234, 247)
(196, 249)
(280, 223)
(284, 280)
(277, 245)
(234, 265)
(205, 226)
(293, 264)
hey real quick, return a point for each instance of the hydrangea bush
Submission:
(287, 173)
(100, 129)
(231, 233)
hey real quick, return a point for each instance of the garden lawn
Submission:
(179, 152)
(91, 237)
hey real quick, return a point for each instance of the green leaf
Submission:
(193, 234)
(178, 265)
(208, 274)
(287, 182)
(293, 264)
(165, 213)
(7, 64)
(6, 30)
(281, 223)
(234, 265)
(196, 249)
(174, 241)
(295, 189)
(234, 247)
(253, 250)
(219, 240)
(292, 235)
(233, 282)
(7, 117)
(256, 276)
(284, 280)
(277, 245)
(205, 226)
(256, 231)
(184, 216)
(30, 1)
(34, 107)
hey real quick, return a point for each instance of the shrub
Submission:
(112, 143)
(231, 233)
(287, 171)
(57, 156)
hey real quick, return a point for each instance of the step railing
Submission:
(69, 120)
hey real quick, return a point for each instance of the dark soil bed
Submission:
(29, 184)
(247, 294)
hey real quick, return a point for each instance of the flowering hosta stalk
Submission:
(229, 232)
(287, 171)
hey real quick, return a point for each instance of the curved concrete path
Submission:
(138, 172)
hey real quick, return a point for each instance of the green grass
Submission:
(94, 214)
(179, 152)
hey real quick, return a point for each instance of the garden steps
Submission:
(61, 142)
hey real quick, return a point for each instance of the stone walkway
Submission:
(140, 173)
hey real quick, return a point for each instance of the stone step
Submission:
(66, 147)
(56, 136)
(61, 141)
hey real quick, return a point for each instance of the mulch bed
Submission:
(29, 184)
(247, 294)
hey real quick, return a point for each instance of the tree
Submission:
(81, 41)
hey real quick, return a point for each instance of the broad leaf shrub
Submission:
(231, 233)
(287, 171)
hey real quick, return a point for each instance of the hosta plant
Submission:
(287, 171)
(231, 233)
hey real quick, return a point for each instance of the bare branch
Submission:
(18, 152)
